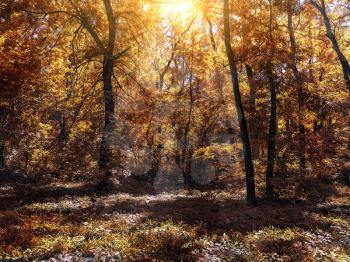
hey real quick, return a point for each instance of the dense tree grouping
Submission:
(101, 90)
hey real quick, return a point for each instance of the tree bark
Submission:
(271, 143)
(107, 146)
(250, 183)
(252, 110)
(300, 91)
(330, 34)
(2, 156)
(62, 140)
(271, 146)
(211, 32)
(108, 131)
(187, 150)
(219, 77)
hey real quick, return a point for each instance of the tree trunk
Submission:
(271, 148)
(250, 183)
(301, 131)
(2, 156)
(300, 91)
(271, 143)
(252, 109)
(26, 163)
(211, 32)
(330, 34)
(155, 164)
(219, 77)
(108, 131)
(62, 140)
(187, 150)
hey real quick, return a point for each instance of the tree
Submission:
(109, 58)
(109, 48)
(299, 85)
(321, 7)
(271, 145)
(250, 183)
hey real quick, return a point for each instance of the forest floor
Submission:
(69, 222)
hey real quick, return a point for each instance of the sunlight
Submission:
(176, 11)
(180, 9)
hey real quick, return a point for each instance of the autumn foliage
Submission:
(247, 97)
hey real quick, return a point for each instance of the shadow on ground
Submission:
(213, 210)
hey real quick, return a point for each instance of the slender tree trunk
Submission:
(271, 143)
(252, 88)
(155, 164)
(108, 131)
(301, 131)
(187, 150)
(330, 34)
(26, 158)
(156, 153)
(219, 76)
(271, 148)
(252, 109)
(250, 183)
(62, 139)
(211, 32)
(2, 156)
(300, 91)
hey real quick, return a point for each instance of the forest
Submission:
(174, 130)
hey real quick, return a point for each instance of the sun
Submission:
(176, 8)
(179, 10)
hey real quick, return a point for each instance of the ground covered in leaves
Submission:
(70, 222)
